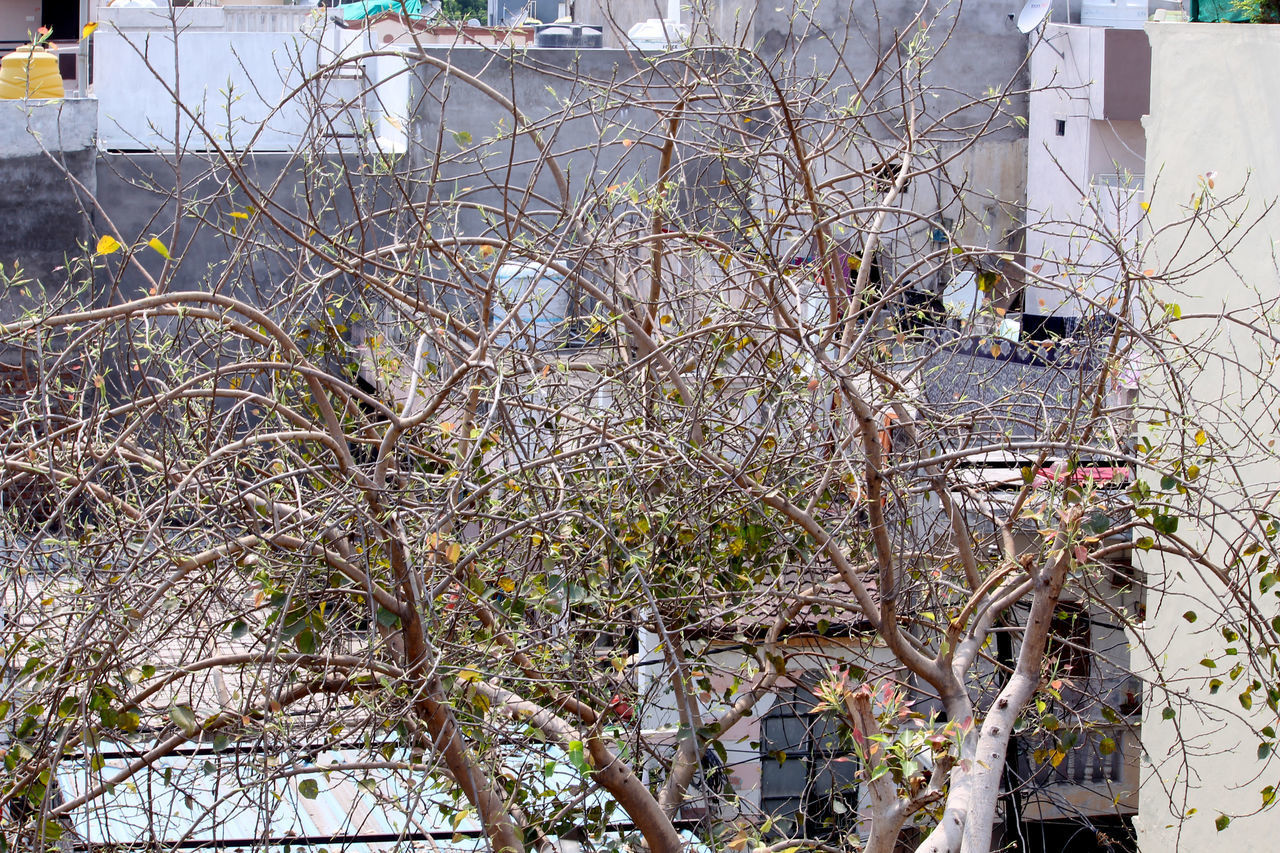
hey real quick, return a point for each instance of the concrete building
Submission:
(1086, 153)
(1212, 128)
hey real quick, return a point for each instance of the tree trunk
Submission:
(993, 742)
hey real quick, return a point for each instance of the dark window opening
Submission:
(808, 776)
(1101, 834)
(62, 19)
(1060, 127)
(885, 174)
(1068, 651)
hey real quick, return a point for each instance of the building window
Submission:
(1060, 127)
(1069, 647)
(808, 776)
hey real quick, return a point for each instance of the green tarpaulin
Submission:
(368, 8)
(1211, 11)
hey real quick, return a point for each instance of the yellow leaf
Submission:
(238, 214)
(88, 29)
(1201, 438)
(1145, 206)
(160, 247)
(452, 552)
(995, 350)
(107, 245)
(1055, 757)
(507, 584)
(468, 675)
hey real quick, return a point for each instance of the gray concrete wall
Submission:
(46, 149)
(603, 117)
(975, 45)
(600, 116)
(221, 242)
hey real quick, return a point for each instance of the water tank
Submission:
(1120, 14)
(30, 72)
(569, 35)
(540, 299)
(657, 34)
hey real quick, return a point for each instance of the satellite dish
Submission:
(1032, 14)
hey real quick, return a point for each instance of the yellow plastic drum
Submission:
(30, 72)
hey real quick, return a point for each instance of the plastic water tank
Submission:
(30, 72)
(569, 35)
(657, 34)
(541, 302)
(1120, 14)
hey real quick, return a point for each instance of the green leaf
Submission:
(1264, 749)
(577, 757)
(1222, 822)
(1167, 714)
(307, 642)
(1190, 616)
(462, 137)
(387, 619)
(239, 629)
(1165, 524)
(1246, 700)
(128, 721)
(309, 789)
(184, 718)
(1099, 522)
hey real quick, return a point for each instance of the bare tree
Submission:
(512, 478)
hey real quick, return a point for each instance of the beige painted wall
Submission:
(1213, 110)
(18, 18)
